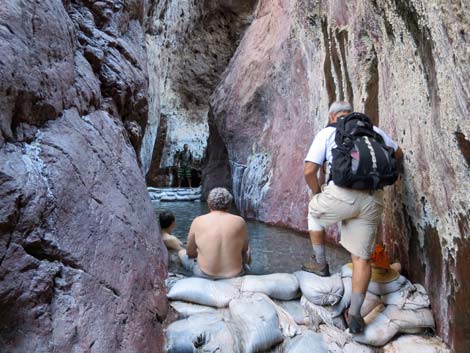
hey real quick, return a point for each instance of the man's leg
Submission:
(360, 281)
(318, 266)
(317, 238)
(325, 209)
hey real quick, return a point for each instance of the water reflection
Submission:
(274, 249)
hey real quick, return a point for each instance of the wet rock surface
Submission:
(190, 45)
(402, 64)
(81, 258)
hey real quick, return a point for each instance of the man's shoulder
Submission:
(201, 217)
(198, 219)
(328, 129)
(326, 132)
(238, 218)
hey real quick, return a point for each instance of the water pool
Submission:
(274, 249)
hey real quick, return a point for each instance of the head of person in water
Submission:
(219, 199)
(167, 220)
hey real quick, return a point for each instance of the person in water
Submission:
(217, 245)
(167, 224)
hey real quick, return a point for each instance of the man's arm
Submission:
(310, 174)
(399, 153)
(399, 156)
(191, 248)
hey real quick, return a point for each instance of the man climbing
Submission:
(185, 160)
(358, 210)
(217, 245)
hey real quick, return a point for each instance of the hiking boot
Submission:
(356, 323)
(316, 268)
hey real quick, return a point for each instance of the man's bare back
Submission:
(219, 241)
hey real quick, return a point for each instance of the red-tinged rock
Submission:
(402, 64)
(82, 263)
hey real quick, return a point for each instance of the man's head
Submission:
(339, 109)
(185, 147)
(219, 199)
(167, 219)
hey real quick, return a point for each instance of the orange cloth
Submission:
(379, 257)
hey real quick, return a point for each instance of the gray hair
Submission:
(340, 106)
(219, 199)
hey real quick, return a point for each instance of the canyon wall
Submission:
(189, 44)
(82, 264)
(403, 63)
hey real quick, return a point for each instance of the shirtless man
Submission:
(217, 245)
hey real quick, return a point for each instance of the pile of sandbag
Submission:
(389, 308)
(264, 313)
(174, 194)
(282, 286)
(242, 315)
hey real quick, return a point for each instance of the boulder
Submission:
(82, 264)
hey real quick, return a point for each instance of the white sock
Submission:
(356, 302)
(319, 252)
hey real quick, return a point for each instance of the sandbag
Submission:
(188, 309)
(287, 324)
(203, 291)
(309, 342)
(382, 327)
(420, 344)
(318, 314)
(283, 286)
(410, 319)
(345, 301)
(168, 198)
(339, 341)
(320, 290)
(370, 301)
(409, 297)
(207, 332)
(257, 322)
(379, 288)
(295, 309)
(172, 278)
(378, 332)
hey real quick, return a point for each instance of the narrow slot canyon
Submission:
(98, 99)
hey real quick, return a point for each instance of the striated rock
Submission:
(81, 258)
(190, 44)
(405, 65)
(262, 114)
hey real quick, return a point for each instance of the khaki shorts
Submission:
(359, 213)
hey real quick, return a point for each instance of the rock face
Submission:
(405, 65)
(82, 263)
(190, 44)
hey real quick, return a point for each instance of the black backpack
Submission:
(361, 159)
